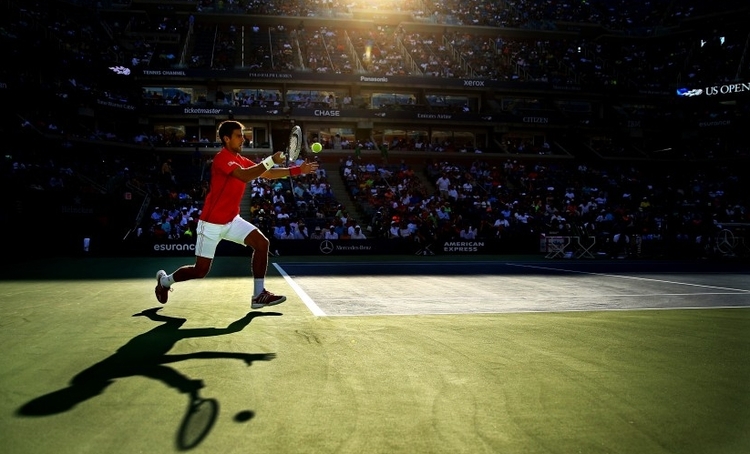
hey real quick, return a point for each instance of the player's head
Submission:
(227, 128)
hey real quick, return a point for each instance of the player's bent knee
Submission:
(257, 241)
(201, 268)
(259, 246)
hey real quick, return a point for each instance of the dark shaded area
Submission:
(147, 355)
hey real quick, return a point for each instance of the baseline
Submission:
(314, 308)
(638, 278)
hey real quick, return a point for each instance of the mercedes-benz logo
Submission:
(725, 241)
(326, 247)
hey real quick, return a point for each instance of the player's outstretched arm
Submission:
(283, 172)
(248, 174)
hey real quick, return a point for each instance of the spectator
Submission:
(166, 172)
(468, 232)
(287, 233)
(358, 234)
(331, 234)
(301, 232)
(317, 233)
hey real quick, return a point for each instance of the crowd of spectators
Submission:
(144, 195)
(563, 60)
(665, 205)
(481, 200)
(622, 209)
(615, 15)
(698, 57)
(142, 40)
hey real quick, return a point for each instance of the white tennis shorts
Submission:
(209, 235)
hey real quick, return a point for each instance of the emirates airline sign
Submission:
(715, 90)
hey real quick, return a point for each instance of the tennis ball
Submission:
(316, 147)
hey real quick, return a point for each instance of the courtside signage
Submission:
(726, 89)
(463, 246)
(329, 247)
(161, 247)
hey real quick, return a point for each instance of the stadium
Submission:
(526, 230)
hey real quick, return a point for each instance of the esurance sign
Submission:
(716, 90)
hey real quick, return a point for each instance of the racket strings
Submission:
(295, 143)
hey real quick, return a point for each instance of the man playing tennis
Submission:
(220, 219)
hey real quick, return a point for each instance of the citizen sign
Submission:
(542, 120)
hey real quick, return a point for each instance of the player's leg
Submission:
(198, 270)
(164, 281)
(255, 239)
(208, 239)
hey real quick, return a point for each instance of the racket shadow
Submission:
(147, 355)
(198, 421)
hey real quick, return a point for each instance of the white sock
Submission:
(258, 285)
(167, 281)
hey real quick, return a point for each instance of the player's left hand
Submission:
(279, 157)
(309, 167)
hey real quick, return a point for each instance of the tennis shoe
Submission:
(162, 293)
(266, 299)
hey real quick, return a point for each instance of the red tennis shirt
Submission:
(225, 191)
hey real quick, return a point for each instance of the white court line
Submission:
(543, 311)
(637, 278)
(315, 309)
(433, 300)
(302, 294)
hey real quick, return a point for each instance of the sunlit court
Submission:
(419, 355)
(497, 286)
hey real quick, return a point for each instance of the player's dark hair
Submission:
(226, 128)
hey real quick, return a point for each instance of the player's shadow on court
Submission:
(147, 355)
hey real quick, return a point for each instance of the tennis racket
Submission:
(295, 144)
(199, 419)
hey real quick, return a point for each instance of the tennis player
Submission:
(220, 219)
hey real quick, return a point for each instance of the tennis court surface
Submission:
(497, 286)
(375, 355)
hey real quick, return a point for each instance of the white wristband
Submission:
(268, 162)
